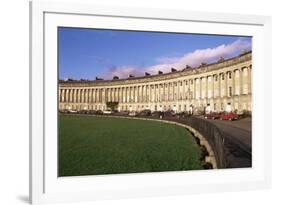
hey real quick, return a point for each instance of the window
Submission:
(229, 75)
(216, 78)
(230, 91)
(222, 76)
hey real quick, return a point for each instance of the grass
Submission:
(90, 145)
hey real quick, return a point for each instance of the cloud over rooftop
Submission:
(193, 59)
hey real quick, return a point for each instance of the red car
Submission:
(229, 116)
(212, 115)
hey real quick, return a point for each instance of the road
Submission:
(238, 141)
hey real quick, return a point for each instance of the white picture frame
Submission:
(46, 187)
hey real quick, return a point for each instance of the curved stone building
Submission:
(221, 86)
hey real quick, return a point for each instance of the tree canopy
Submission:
(112, 105)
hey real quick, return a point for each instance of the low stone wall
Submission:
(212, 135)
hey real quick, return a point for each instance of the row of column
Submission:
(224, 84)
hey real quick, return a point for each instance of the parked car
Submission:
(82, 112)
(133, 113)
(91, 112)
(169, 113)
(63, 111)
(72, 111)
(98, 112)
(145, 112)
(212, 116)
(107, 112)
(181, 114)
(229, 116)
(156, 113)
(122, 113)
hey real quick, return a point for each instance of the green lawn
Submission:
(91, 145)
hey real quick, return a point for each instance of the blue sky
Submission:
(87, 53)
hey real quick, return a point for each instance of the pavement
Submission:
(238, 141)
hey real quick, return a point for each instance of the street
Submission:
(238, 141)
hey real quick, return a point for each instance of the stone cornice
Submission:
(160, 77)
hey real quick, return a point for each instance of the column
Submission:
(62, 95)
(94, 95)
(193, 87)
(98, 95)
(172, 91)
(200, 87)
(250, 79)
(241, 80)
(178, 90)
(128, 94)
(72, 95)
(115, 95)
(159, 92)
(87, 95)
(225, 85)
(169, 91)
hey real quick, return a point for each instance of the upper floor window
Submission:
(216, 78)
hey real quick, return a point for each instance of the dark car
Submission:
(99, 112)
(82, 111)
(63, 111)
(169, 113)
(91, 112)
(146, 112)
(122, 113)
(181, 114)
(156, 113)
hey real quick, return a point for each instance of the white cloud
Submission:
(192, 59)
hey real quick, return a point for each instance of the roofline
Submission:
(198, 68)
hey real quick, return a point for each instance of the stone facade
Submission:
(222, 86)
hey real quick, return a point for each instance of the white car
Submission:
(72, 111)
(107, 112)
(132, 113)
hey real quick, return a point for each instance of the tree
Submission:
(112, 105)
